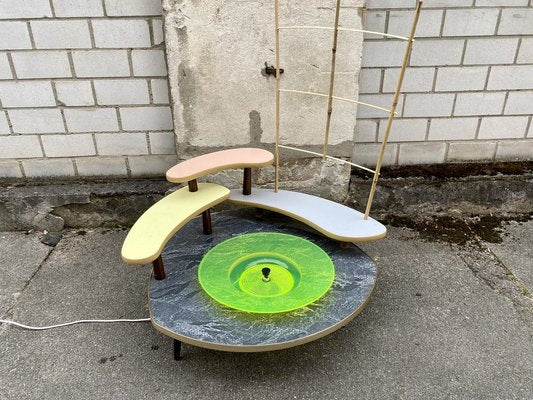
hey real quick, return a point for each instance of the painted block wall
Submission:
(83, 89)
(468, 91)
(84, 92)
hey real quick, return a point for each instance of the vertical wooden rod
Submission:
(331, 78)
(247, 182)
(193, 185)
(276, 25)
(158, 268)
(393, 109)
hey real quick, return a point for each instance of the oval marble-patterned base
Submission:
(180, 308)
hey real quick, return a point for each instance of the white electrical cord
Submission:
(83, 321)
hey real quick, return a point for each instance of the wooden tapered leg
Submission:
(247, 182)
(206, 222)
(177, 350)
(159, 269)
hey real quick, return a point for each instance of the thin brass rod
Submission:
(393, 109)
(345, 30)
(331, 78)
(276, 26)
(330, 157)
(337, 98)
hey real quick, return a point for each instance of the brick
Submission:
(101, 166)
(437, 52)
(516, 21)
(27, 94)
(162, 143)
(121, 91)
(117, 144)
(41, 64)
(149, 63)
(20, 146)
(451, 3)
(380, 100)
(157, 29)
(415, 80)
(496, 3)
(367, 154)
(519, 103)
(74, 93)
(5, 70)
(48, 167)
(502, 127)
(133, 7)
(73, 34)
(43, 120)
(428, 25)
(515, 150)
(374, 21)
(365, 131)
(525, 54)
(121, 33)
(68, 145)
(10, 169)
(421, 153)
(471, 151)
(383, 54)
(456, 79)
(11, 9)
(486, 103)
(91, 120)
(452, 128)
(490, 51)
(404, 130)
(14, 35)
(160, 91)
(369, 80)
(428, 105)
(474, 22)
(4, 125)
(151, 165)
(146, 118)
(78, 8)
(101, 63)
(511, 77)
(390, 3)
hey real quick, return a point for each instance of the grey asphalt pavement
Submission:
(446, 321)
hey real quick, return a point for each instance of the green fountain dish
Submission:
(266, 272)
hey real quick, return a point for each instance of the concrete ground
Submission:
(446, 321)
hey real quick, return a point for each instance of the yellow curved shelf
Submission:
(159, 223)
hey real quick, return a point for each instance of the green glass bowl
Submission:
(266, 272)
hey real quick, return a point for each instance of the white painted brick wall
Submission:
(470, 78)
(83, 87)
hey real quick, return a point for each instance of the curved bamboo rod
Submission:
(276, 26)
(346, 30)
(337, 98)
(331, 78)
(330, 157)
(393, 109)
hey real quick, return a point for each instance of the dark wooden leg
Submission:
(345, 245)
(259, 214)
(206, 215)
(206, 222)
(177, 350)
(247, 182)
(159, 269)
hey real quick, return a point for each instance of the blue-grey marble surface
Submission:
(178, 303)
